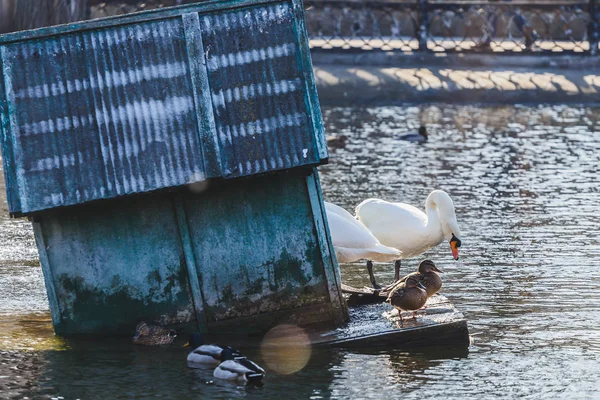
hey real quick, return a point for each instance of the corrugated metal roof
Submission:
(158, 102)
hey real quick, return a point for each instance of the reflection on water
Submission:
(525, 184)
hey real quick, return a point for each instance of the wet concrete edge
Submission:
(353, 79)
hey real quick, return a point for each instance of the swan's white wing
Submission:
(332, 208)
(353, 241)
(398, 225)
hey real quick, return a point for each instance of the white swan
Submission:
(410, 230)
(352, 241)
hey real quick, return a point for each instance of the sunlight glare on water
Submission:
(525, 184)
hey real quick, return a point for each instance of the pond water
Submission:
(525, 184)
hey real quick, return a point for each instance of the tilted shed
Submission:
(168, 161)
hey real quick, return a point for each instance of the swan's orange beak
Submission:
(454, 247)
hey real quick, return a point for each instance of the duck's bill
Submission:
(187, 344)
(454, 248)
(436, 269)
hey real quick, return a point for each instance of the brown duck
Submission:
(152, 335)
(409, 295)
(427, 275)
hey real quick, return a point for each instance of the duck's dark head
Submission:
(423, 131)
(227, 354)
(427, 266)
(141, 329)
(196, 340)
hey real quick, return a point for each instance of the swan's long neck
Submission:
(441, 217)
(434, 226)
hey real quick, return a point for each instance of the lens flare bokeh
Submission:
(286, 349)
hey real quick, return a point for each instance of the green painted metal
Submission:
(113, 264)
(8, 124)
(249, 248)
(94, 111)
(190, 263)
(98, 110)
(202, 100)
(256, 247)
(305, 62)
(149, 15)
(330, 265)
(47, 271)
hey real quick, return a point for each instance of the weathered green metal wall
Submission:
(113, 263)
(253, 248)
(243, 248)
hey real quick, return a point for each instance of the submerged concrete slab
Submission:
(377, 325)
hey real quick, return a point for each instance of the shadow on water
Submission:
(118, 369)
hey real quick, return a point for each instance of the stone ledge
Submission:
(384, 85)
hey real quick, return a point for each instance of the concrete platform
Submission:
(378, 325)
(509, 79)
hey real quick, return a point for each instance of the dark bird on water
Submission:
(239, 369)
(207, 354)
(337, 142)
(420, 136)
(152, 335)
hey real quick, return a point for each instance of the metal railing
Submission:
(535, 27)
(435, 26)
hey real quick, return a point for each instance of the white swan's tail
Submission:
(379, 253)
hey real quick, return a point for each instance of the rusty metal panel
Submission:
(102, 109)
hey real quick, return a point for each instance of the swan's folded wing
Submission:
(353, 241)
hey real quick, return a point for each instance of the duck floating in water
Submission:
(239, 369)
(410, 230)
(207, 354)
(428, 276)
(408, 296)
(152, 335)
(337, 142)
(352, 241)
(420, 136)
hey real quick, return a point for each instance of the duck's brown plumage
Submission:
(152, 335)
(427, 275)
(407, 296)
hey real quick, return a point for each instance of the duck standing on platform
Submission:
(428, 276)
(352, 241)
(420, 136)
(408, 296)
(209, 355)
(152, 335)
(239, 369)
(410, 230)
